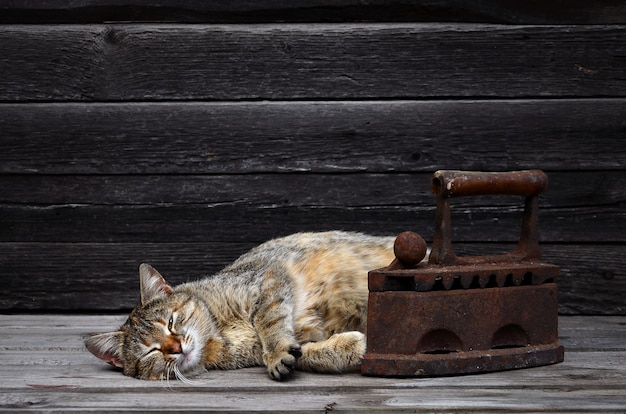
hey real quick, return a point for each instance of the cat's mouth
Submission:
(189, 357)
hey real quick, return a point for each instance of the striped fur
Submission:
(293, 302)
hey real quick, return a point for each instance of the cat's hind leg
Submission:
(339, 353)
(273, 322)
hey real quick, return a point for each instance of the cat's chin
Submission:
(190, 358)
(189, 362)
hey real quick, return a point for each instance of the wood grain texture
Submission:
(550, 11)
(224, 207)
(186, 144)
(103, 276)
(98, 229)
(573, 189)
(178, 224)
(46, 369)
(261, 137)
(309, 61)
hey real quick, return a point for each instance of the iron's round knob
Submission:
(410, 248)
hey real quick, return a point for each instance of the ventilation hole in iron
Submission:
(509, 280)
(528, 278)
(403, 283)
(475, 283)
(439, 342)
(493, 281)
(438, 285)
(456, 284)
(509, 336)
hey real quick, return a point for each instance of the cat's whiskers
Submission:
(172, 371)
(165, 376)
(182, 378)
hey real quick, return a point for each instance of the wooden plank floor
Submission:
(45, 368)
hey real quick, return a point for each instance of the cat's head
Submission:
(164, 336)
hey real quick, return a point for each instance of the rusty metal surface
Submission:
(410, 249)
(451, 183)
(447, 184)
(458, 315)
(461, 331)
(486, 275)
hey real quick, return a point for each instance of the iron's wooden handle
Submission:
(452, 183)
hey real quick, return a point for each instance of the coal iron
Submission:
(460, 315)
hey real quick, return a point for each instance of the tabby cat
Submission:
(293, 302)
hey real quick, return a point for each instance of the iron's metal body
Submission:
(460, 315)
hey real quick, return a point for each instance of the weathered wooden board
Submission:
(573, 189)
(76, 223)
(244, 207)
(547, 11)
(101, 208)
(114, 149)
(103, 276)
(173, 225)
(312, 61)
(46, 369)
(65, 332)
(372, 136)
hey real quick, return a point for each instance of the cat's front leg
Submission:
(282, 360)
(273, 321)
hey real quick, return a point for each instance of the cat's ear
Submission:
(107, 347)
(152, 284)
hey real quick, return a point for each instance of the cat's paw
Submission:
(340, 353)
(281, 364)
(354, 344)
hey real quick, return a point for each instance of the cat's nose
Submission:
(172, 345)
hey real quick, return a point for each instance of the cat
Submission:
(297, 302)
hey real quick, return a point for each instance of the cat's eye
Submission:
(151, 351)
(170, 323)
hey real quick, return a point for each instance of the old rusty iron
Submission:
(459, 315)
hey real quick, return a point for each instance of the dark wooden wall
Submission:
(128, 134)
